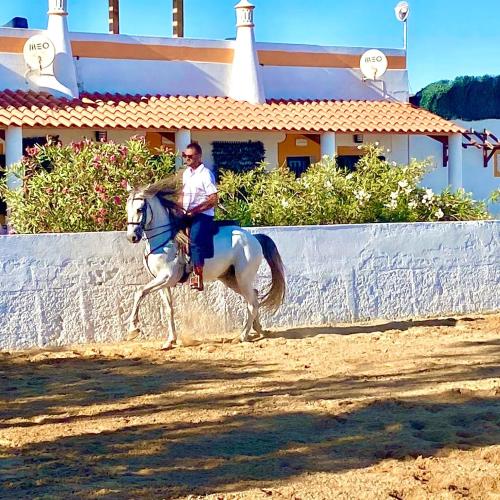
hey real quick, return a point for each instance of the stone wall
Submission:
(58, 289)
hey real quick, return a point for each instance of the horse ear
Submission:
(129, 187)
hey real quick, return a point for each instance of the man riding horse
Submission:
(199, 198)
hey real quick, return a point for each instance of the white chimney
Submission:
(64, 66)
(246, 81)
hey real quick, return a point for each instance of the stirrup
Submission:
(195, 282)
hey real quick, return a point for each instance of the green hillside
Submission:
(465, 98)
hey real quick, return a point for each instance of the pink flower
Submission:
(77, 146)
(124, 183)
(103, 196)
(32, 151)
(117, 200)
(112, 158)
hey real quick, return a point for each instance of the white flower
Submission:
(412, 204)
(284, 203)
(393, 204)
(408, 190)
(402, 184)
(377, 143)
(439, 214)
(428, 196)
(328, 185)
(362, 196)
(394, 164)
(394, 195)
(349, 176)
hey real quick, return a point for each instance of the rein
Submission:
(171, 227)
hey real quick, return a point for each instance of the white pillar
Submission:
(13, 154)
(182, 139)
(64, 66)
(246, 79)
(455, 161)
(328, 144)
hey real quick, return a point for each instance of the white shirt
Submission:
(198, 185)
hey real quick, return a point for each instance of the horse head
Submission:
(155, 202)
(139, 215)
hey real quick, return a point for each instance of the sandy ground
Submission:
(407, 410)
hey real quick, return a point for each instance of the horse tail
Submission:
(275, 294)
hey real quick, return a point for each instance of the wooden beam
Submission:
(177, 18)
(491, 134)
(114, 16)
(444, 140)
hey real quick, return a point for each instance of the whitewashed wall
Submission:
(476, 179)
(62, 289)
(186, 77)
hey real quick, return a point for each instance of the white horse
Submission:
(154, 215)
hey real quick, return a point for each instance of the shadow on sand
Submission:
(313, 331)
(241, 446)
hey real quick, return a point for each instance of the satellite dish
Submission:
(373, 64)
(402, 11)
(39, 52)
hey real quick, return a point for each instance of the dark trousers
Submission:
(202, 239)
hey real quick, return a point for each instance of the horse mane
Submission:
(167, 191)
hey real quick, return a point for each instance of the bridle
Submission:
(142, 222)
(170, 227)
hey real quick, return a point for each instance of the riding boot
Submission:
(196, 281)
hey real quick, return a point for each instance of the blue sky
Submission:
(447, 38)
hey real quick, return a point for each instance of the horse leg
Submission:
(166, 295)
(250, 296)
(256, 322)
(154, 285)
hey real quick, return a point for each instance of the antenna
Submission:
(402, 11)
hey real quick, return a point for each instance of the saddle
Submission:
(185, 249)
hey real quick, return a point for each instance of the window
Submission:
(298, 164)
(348, 161)
(30, 142)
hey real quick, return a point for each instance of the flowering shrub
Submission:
(378, 191)
(82, 186)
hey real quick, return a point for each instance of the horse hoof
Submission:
(244, 339)
(133, 334)
(166, 346)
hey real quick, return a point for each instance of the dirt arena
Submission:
(407, 410)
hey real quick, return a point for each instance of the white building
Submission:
(300, 101)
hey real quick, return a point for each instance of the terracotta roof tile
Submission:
(32, 109)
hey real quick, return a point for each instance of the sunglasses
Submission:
(184, 155)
